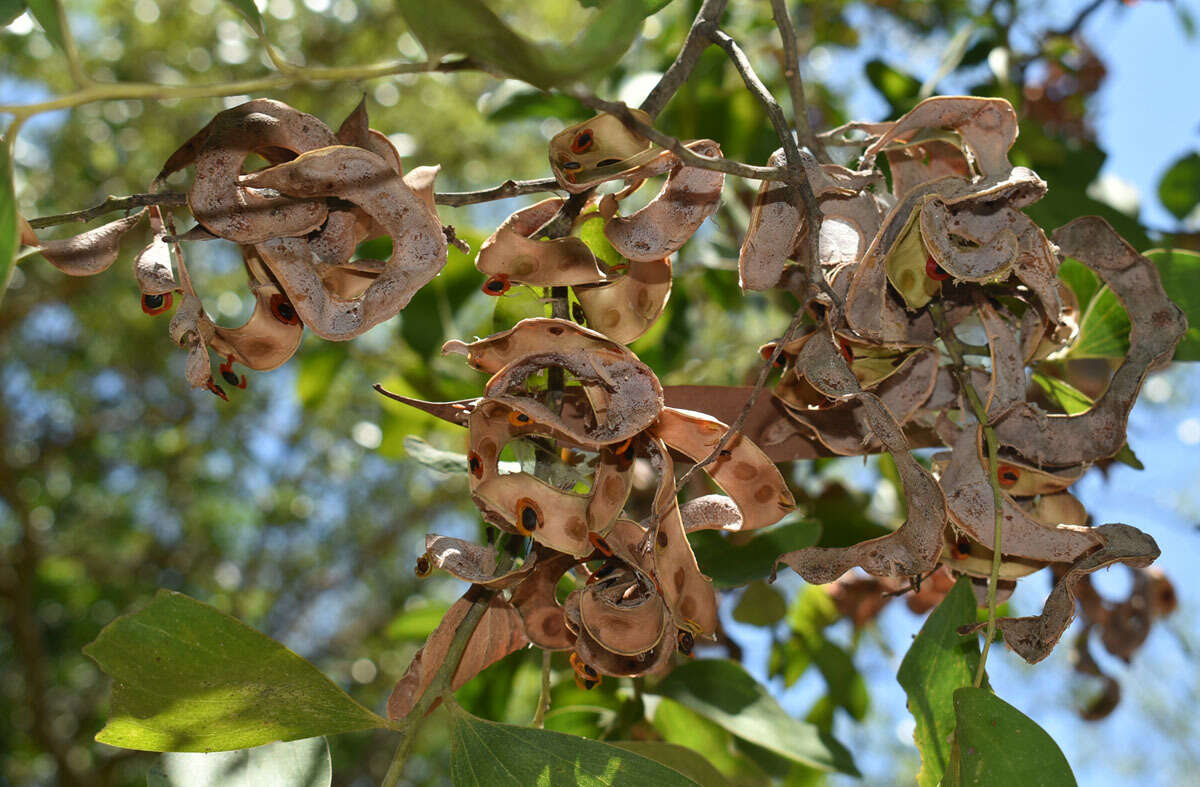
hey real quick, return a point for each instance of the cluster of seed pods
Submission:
(868, 374)
(297, 223)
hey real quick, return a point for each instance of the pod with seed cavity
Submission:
(91, 252)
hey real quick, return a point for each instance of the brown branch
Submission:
(791, 72)
(507, 189)
(693, 46)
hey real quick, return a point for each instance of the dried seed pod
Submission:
(711, 512)
(969, 246)
(915, 547)
(914, 165)
(529, 336)
(625, 308)
(152, 265)
(1034, 637)
(1156, 326)
(91, 252)
(512, 253)
(361, 177)
(660, 229)
(969, 498)
(742, 470)
(228, 208)
(599, 149)
(473, 563)
(624, 613)
(1007, 385)
(534, 599)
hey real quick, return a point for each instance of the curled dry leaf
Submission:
(1034, 637)
(89, 252)
(499, 633)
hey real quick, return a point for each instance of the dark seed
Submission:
(152, 301)
(529, 518)
(230, 377)
(608, 162)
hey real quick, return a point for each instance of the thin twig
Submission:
(454, 199)
(693, 46)
(70, 49)
(539, 715)
(791, 72)
(959, 369)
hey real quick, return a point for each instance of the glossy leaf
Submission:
(1074, 401)
(472, 27)
(1180, 272)
(488, 754)
(10, 235)
(1103, 330)
(302, 763)
(188, 677)
(677, 758)
(1179, 189)
(760, 605)
(998, 746)
(249, 12)
(731, 563)
(46, 12)
(939, 662)
(725, 693)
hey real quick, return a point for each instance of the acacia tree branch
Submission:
(791, 72)
(693, 46)
(959, 369)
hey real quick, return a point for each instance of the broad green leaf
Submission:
(725, 693)
(1180, 272)
(47, 13)
(517, 304)
(760, 605)
(1080, 278)
(471, 27)
(731, 563)
(188, 677)
(847, 689)
(10, 235)
(591, 232)
(249, 12)
(938, 663)
(685, 727)
(811, 611)
(489, 754)
(417, 621)
(302, 763)
(1179, 189)
(1103, 330)
(677, 758)
(998, 746)
(10, 10)
(447, 462)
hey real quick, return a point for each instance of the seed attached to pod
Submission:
(518, 418)
(475, 464)
(685, 641)
(529, 518)
(282, 310)
(217, 390)
(496, 285)
(934, 271)
(582, 141)
(597, 541)
(157, 304)
(423, 568)
(230, 376)
(1008, 475)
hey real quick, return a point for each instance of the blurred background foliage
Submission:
(295, 506)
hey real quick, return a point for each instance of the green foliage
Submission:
(48, 13)
(1103, 329)
(188, 678)
(488, 754)
(760, 605)
(1180, 271)
(678, 758)
(998, 746)
(733, 561)
(938, 663)
(471, 27)
(249, 12)
(10, 10)
(898, 88)
(301, 763)
(725, 693)
(1179, 189)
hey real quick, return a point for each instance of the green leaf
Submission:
(998, 746)
(760, 605)
(188, 677)
(1074, 401)
(1103, 330)
(677, 758)
(725, 693)
(592, 233)
(249, 12)
(472, 28)
(847, 689)
(731, 563)
(47, 14)
(417, 621)
(685, 727)
(302, 763)
(898, 88)
(1180, 272)
(939, 662)
(490, 754)
(1179, 189)
(10, 235)
(1082, 280)
(10, 10)
(447, 462)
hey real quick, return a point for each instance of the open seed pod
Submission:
(230, 210)
(1156, 326)
(660, 229)
(91, 252)
(624, 613)
(367, 180)
(598, 150)
(534, 599)
(152, 268)
(914, 548)
(743, 471)
(272, 334)
(512, 255)
(625, 307)
(470, 562)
